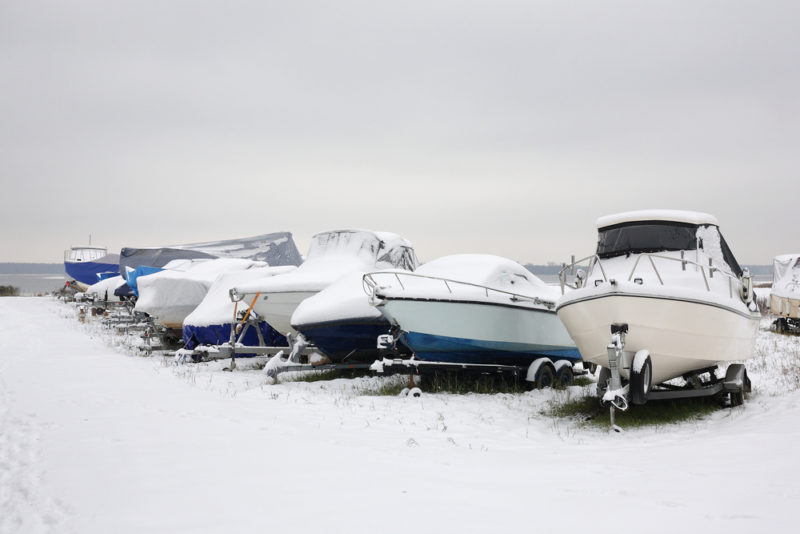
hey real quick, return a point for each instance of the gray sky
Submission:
(465, 126)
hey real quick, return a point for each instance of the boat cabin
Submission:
(651, 231)
(84, 253)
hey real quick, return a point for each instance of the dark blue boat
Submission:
(87, 265)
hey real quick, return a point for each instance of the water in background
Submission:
(33, 284)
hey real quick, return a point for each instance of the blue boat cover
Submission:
(221, 333)
(142, 270)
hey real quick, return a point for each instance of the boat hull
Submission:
(347, 340)
(479, 332)
(87, 273)
(681, 334)
(276, 308)
(216, 334)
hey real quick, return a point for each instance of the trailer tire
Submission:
(564, 377)
(641, 377)
(545, 376)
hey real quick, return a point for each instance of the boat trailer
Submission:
(638, 390)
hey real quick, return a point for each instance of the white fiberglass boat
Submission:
(473, 309)
(330, 256)
(668, 287)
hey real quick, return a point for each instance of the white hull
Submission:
(478, 321)
(277, 308)
(681, 334)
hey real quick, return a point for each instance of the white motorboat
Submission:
(784, 298)
(171, 294)
(664, 286)
(330, 256)
(473, 309)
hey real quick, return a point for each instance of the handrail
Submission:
(371, 286)
(595, 260)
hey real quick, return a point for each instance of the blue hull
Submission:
(346, 340)
(459, 350)
(221, 333)
(88, 272)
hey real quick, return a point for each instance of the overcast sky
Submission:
(465, 126)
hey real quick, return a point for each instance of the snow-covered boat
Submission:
(665, 287)
(330, 256)
(105, 289)
(473, 309)
(784, 299)
(341, 322)
(172, 293)
(88, 264)
(211, 321)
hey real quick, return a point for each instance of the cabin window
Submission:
(646, 236)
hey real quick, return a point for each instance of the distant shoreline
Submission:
(32, 268)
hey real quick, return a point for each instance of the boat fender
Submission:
(746, 290)
(533, 368)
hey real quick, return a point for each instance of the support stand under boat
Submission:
(615, 395)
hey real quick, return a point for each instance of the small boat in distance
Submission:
(88, 264)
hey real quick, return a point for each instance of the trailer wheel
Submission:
(545, 376)
(564, 377)
(737, 398)
(641, 377)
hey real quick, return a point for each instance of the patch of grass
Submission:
(587, 409)
(316, 376)
(8, 291)
(461, 383)
(390, 387)
(582, 381)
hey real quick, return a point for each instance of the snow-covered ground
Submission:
(94, 439)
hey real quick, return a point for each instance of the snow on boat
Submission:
(473, 309)
(665, 286)
(275, 249)
(330, 256)
(210, 322)
(341, 322)
(105, 289)
(171, 294)
(88, 264)
(784, 299)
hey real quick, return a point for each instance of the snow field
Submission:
(94, 439)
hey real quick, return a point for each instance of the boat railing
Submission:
(706, 271)
(371, 284)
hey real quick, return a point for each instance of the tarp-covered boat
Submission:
(275, 249)
(784, 299)
(210, 322)
(330, 256)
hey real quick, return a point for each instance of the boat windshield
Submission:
(658, 236)
(645, 236)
